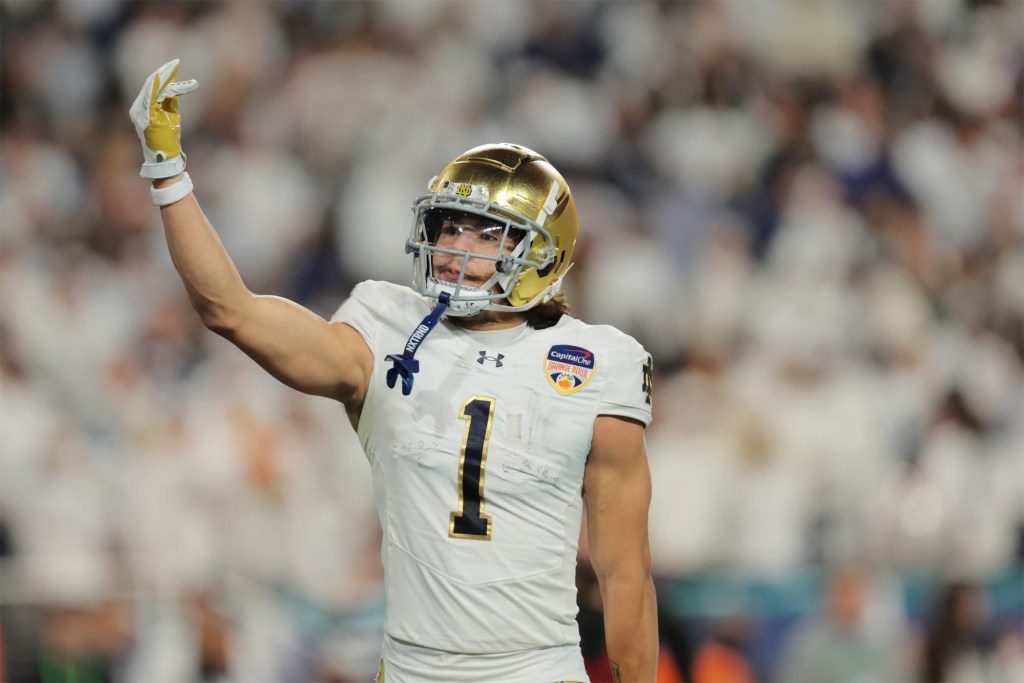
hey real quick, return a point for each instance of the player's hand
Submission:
(158, 123)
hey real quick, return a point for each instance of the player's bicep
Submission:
(303, 350)
(617, 487)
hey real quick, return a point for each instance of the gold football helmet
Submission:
(515, 199)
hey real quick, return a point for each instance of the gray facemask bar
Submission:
(509, 266)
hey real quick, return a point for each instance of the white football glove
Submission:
(158, 123)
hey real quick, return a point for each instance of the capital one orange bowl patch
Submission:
(569, 368)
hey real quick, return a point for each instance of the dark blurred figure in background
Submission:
(961, 645)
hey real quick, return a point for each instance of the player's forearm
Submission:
(631, 628)
(213, 284)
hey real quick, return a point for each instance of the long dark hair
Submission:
(548, 313)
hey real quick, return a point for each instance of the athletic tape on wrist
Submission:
(172, 193)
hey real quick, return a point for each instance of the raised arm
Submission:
(292, 343)
(617, 486)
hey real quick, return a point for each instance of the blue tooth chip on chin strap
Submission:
(406, 364)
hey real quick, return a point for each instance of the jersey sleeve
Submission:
(627, 393)
(357, 312)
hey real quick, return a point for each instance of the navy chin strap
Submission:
(406, 364)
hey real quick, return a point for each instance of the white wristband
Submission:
(172, 193)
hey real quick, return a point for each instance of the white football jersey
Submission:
(478, 473)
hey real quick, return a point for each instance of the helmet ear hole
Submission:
(543, 272)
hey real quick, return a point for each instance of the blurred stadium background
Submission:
(810, 212)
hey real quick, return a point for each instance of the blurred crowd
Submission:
(809, 212)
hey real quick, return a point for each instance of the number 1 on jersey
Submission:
(470, 520)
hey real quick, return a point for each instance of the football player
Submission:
(492, 419)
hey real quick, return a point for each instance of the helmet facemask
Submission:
(496, 235)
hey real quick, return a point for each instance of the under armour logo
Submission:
(494, 359)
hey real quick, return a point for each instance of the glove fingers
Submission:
(142, 106)
(168, 72)
(178, 88)
(161, 77)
